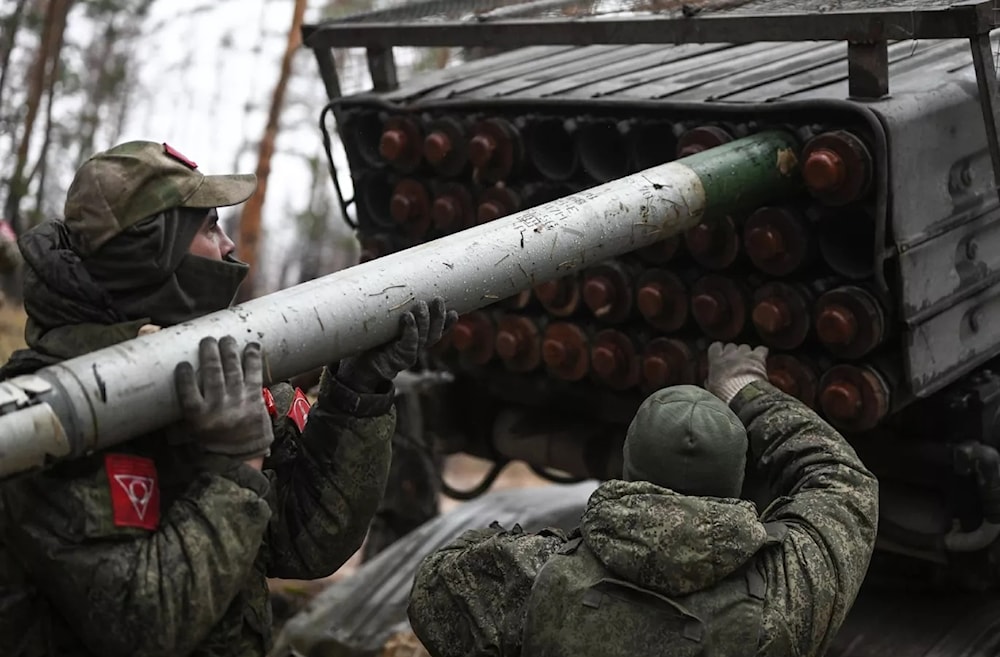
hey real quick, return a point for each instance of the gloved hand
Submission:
(421, 327)
(226, 413)
(732, 367)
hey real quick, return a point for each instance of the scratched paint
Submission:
(42, 422)
(359, 307)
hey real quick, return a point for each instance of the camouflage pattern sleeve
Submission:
(471, 596)
(828, 500)
(328, 483)
(129, 590)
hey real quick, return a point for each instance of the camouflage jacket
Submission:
(91, 563)
(676, 545)
(829, 501)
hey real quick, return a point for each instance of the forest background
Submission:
(226, 82)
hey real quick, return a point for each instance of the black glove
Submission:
(421, 327)
(226, 413)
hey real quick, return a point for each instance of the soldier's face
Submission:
(211, 241)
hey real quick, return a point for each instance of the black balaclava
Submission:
(148, 272)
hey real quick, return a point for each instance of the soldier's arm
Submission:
(129, 590)
(826, 497)
(326, 494)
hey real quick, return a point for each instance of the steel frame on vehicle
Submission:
(867, 33)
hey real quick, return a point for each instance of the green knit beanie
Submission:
(686, 439)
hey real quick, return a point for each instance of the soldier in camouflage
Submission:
(668, 560)
(161, 546)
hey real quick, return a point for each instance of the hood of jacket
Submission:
(672, 544)
(143, 276)
(69, 313)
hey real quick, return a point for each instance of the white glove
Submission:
(731, 368)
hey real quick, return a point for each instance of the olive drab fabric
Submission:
(471, 597)
(829, 500)
(686, 439)
(579, 607)
(80, 578)
(143, 273)
(122, 251)
(670, 550)
(653, 568)
(118, 187)
(413, 492)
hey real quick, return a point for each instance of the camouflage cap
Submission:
(129, 182)
(686, 439)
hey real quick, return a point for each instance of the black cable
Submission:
(328, 149)
(479, 489)
(545, 473)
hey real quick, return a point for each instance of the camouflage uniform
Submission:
(411, 495)
(674, 545)
(72, 583)
(98, 560)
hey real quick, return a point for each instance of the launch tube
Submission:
(112, 395)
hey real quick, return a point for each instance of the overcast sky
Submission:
(199, 74)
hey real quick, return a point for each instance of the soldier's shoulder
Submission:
(109, 493)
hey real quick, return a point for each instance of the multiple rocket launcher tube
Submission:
(114, 394)
(849, 321)
(794, 275)
(837, 166)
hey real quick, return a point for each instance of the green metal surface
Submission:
(747, 172)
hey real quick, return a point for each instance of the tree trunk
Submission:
(98, 90)
(43, 158)
(250, 220)
(11, 26)
(45, 65)
(109, 54)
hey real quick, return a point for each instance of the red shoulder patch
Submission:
(135, 490)
(272, 410)
(180, 157)
(299, 411)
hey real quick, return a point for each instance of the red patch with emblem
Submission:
(272, 410)
(299, 412)
(180, 157)
(135, 490)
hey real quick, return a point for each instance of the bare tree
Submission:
(99, 88)
(250, 220)
(41, 166)
(44, 69)
(108, 59)
(11, 24)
